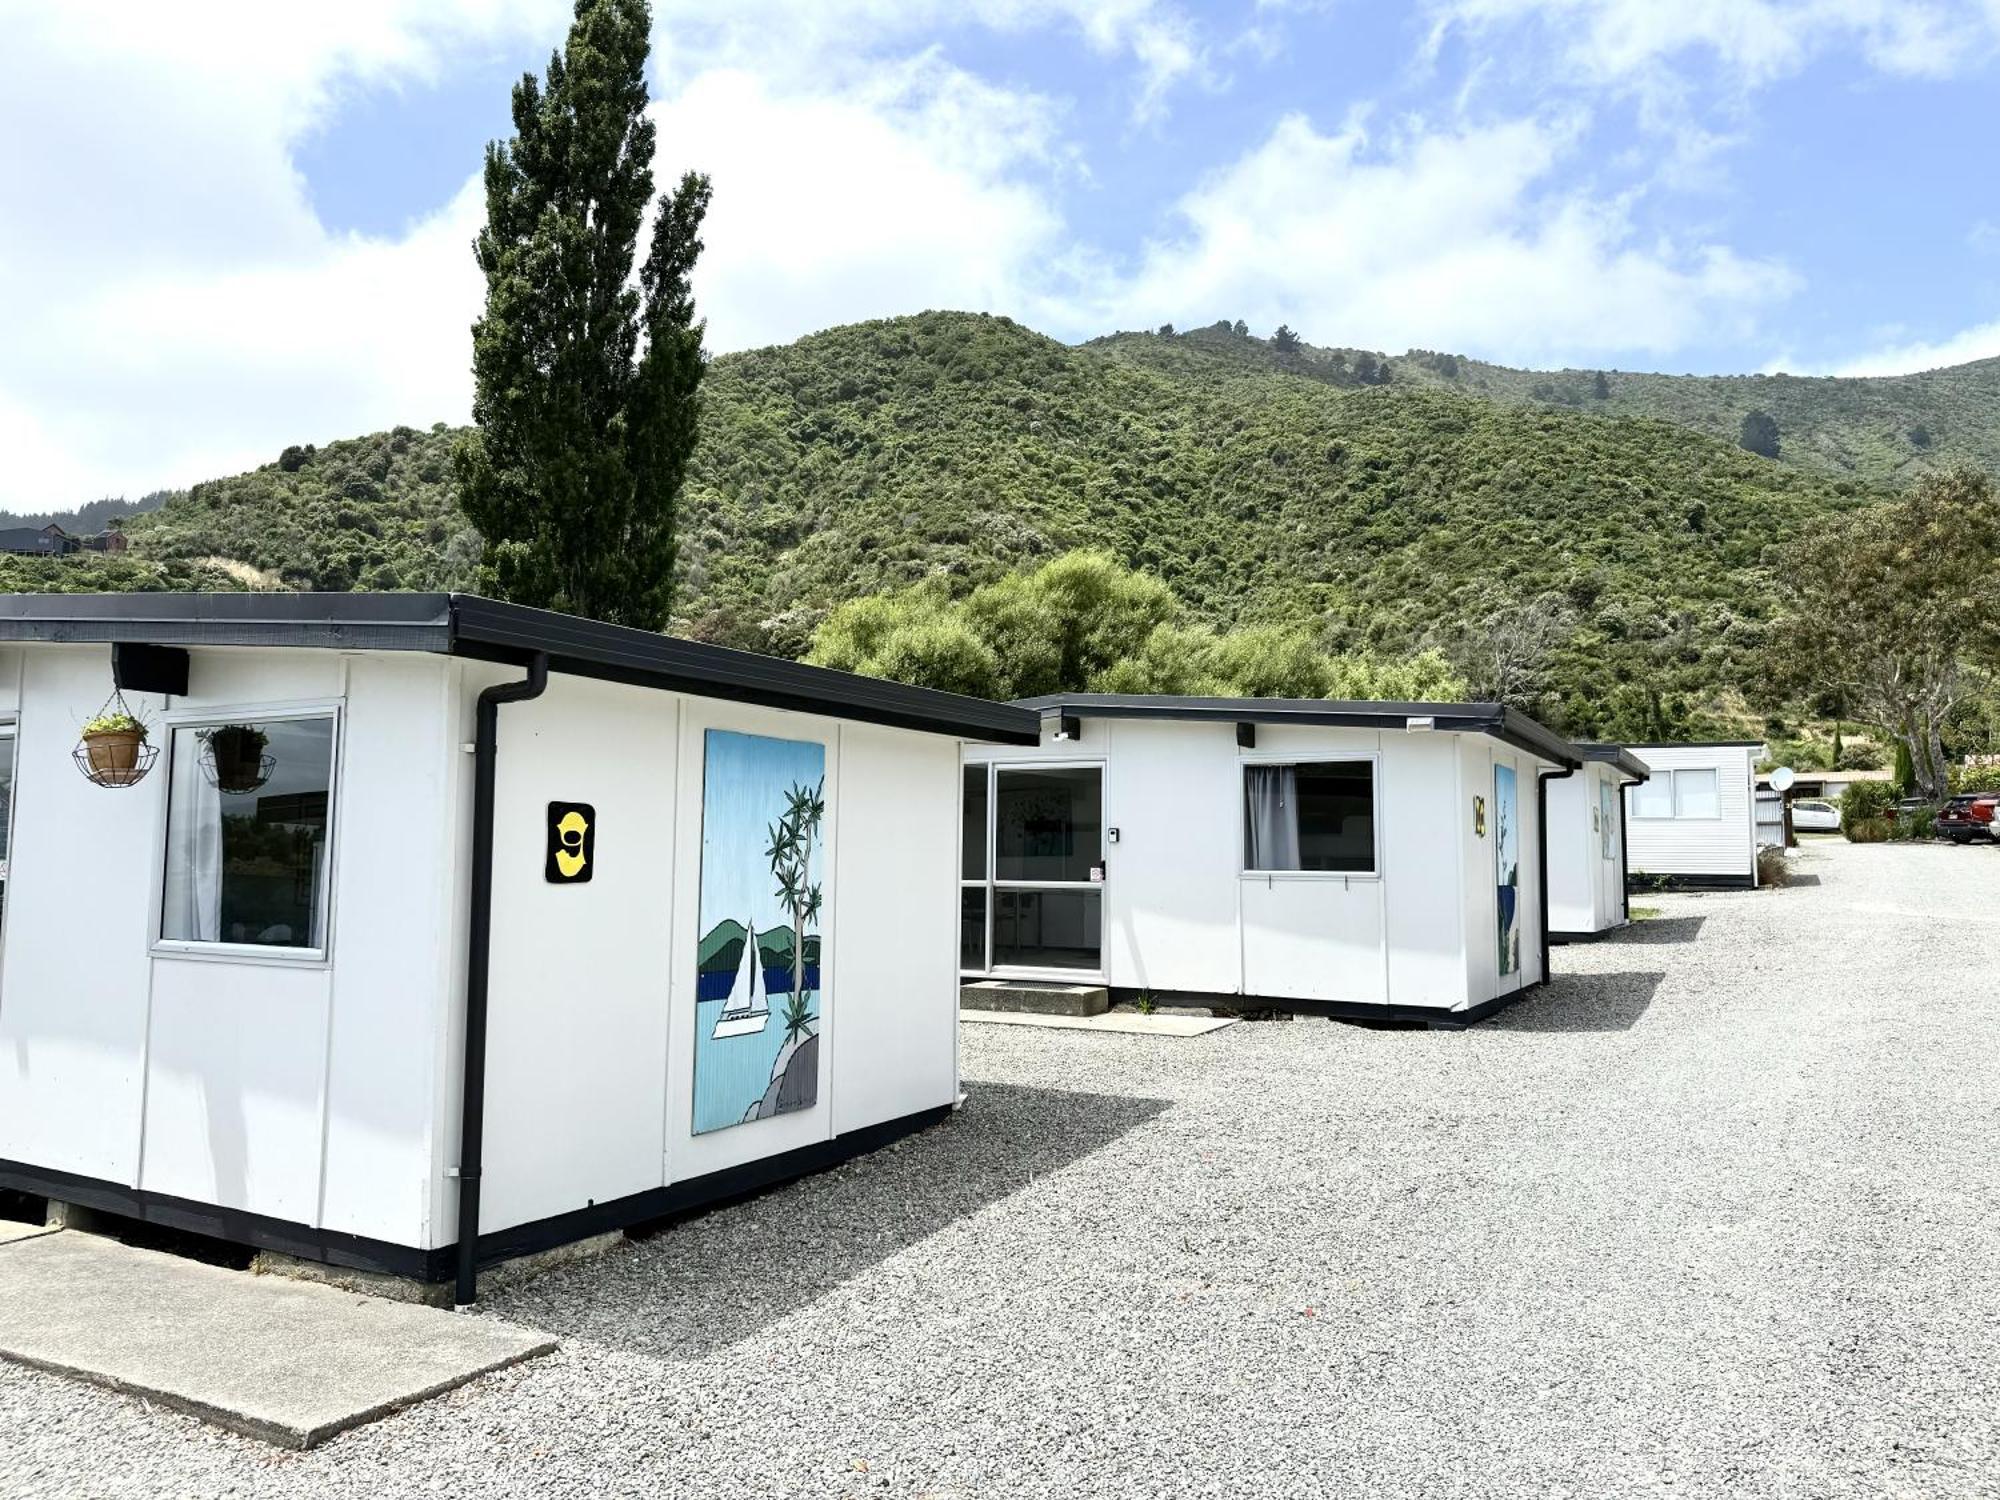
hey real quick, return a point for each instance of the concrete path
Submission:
(14, 1229)
(274, 1359)
(1118, 1021)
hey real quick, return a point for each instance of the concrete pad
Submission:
(14, 1229)
(274, 1359)
(1118, 1021)
(1034, 997)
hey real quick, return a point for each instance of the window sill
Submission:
(1344, 875)
(255, 954)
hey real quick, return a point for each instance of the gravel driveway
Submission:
(1714, 1214)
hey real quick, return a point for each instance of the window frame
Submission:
(206, 716)
(1710, 771)
(992, 885)
(1370, 758)
(1670, 778)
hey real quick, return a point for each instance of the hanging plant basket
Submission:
(115, 749)
(234, 759)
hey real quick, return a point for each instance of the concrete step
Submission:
(270, 1358)
(1035, 999)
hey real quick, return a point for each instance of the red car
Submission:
(1969, 816)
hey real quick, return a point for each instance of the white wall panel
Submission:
(1425, 924)
(73, 979)
(393, 922)
(578, 997)
(895, 929)
(1317, 938)
(235, 1063)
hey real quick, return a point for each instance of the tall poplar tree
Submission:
(586, 382)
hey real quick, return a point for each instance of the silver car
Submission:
(1813, 816)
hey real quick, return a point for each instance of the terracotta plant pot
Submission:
(114, 751)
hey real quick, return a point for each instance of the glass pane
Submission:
(6, 810)
(972, 928)
(1655, 798)
(1050, 824)
(1316, 816)
(1047, 929)
(246, 833)
(1695, 795)
(974, 812)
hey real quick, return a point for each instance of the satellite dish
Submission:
(1782, 779)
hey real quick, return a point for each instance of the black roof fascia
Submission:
(1505, 724)
(486, 629)
(1619, 756)
(353, 622)
(495, 631)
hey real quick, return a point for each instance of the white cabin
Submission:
(1363, 859)
(1693, 822)
(1587, 839)
(467, 911)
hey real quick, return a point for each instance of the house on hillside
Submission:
(424, 931)
(38, 541)
(1361, 859)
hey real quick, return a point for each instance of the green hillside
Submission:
(1880, 430)
(957, 446)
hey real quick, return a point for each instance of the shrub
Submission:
(1867, 831)
(1771, 866)
(1865, 801)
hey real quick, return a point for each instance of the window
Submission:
(1697, 794)
(1693, 793)
(6, 806)
(1049, 824)
(1031, 894)
(247, 818)
(1317, 815)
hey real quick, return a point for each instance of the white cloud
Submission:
(1754, 41)
(1452, 240)
(1979, 342)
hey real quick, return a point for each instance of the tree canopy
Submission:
(585, 404)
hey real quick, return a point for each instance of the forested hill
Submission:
(959, 446)
(1882, 430)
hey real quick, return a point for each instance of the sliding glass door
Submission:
(1032, 884)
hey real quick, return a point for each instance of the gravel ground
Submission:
(1711, 1215)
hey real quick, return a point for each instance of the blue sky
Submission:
(225, 228)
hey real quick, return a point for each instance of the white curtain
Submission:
(1271, 795)
(194, 848)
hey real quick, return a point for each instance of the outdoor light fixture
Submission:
(1418, 723)
(1069, 727)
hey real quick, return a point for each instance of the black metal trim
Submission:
(1508, 725)
(489, 630)
(357, 1252)
(1616, 755)
(1643, 882)
(478, 963)
(1434, 1016)
(1542, 780)
(234, 1225)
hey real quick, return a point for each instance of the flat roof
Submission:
(489, 630)
(1620, 756)
(1503, 723)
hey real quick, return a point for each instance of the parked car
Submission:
(1969, 816)
(1909, 807)
(1814, 816)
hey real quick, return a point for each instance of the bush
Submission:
(1867, 831)
(1771, 866)
(1864, 802)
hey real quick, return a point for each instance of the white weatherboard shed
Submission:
(484, 945)
(1364, 859)
(1693, 822)
(1587, 839)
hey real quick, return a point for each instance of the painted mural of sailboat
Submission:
(745, 1012)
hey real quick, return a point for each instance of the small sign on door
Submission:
(572, 843)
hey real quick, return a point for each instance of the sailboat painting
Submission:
(758, 1001)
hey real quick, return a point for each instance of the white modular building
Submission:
(1693, 821)
(1374, 860)
(1587, 844)
(423, 931)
